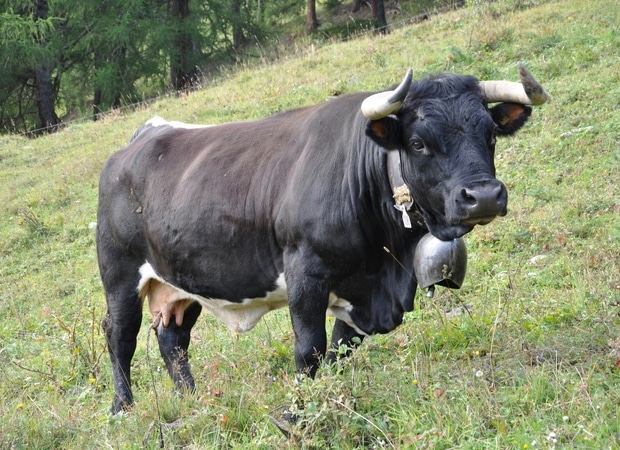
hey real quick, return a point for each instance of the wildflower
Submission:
(415, 381)
(479, 374)
(552, 437)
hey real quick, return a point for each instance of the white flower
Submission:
(479, 374)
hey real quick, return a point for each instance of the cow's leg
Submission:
(121, 326)
(308, 295)
(308, 298)
(173, 346)
(308, 318)
(343, 334)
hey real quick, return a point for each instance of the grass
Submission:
(533, 362)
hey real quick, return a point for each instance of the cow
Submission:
(298, 210)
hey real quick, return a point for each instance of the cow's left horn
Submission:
(528, 92)
(382, 104)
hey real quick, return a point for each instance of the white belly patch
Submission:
(166, 301)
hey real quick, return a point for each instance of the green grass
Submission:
(533, 364)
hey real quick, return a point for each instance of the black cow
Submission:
(296, 209)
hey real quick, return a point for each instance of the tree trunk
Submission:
(108, 95)
(97, 98)
(45, 99)
(238, 38)
(120, 59)
(378, 14)
(312, 23)
(182, 72)
(43, 79)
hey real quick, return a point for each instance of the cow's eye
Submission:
(417, 144)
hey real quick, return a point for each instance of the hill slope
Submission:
(536, 360)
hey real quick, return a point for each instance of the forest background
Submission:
(67, 59)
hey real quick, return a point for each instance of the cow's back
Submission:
(211, 208)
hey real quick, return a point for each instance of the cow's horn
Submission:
(382, 104)
(528, 92)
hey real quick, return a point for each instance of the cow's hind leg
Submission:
(343, 335)
(121, 326)
(173, 346)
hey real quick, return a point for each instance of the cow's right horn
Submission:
(382, 104)
(528, 92)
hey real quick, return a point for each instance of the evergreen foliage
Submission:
(62, 59)
(107, 53)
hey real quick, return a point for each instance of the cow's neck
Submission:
(403, 201)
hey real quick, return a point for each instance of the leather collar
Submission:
(403, 201)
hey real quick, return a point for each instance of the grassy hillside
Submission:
(534, 362)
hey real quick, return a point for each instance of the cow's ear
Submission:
(510, 117)
(386, 132)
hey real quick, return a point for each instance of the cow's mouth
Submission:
(447, 230)
(450, 232)
(473, 221)
(458, 228)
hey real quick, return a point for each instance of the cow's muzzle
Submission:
(480, 204)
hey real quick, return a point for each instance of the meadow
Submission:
(525, 356)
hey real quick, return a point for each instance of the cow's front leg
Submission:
(310, 338)
(173, 346)
(343, 334)
(308, 296)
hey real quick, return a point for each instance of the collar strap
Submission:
(403, 201)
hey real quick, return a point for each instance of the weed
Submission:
(330, 411)
(32, 222)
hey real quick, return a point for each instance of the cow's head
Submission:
(445, 133)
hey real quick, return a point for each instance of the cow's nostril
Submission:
(468, 196)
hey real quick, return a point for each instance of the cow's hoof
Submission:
(284, 419)
(121, 406)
